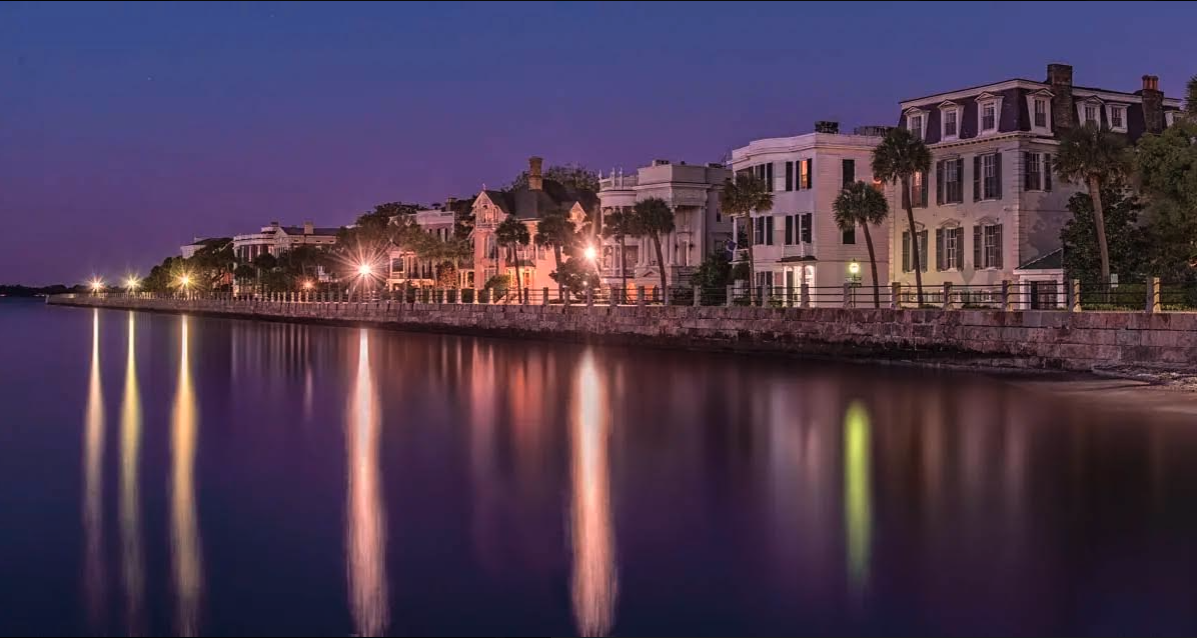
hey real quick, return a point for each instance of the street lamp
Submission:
(97, 285)
(591, 253)
(365, 270)
(854, 271)
(308, 285)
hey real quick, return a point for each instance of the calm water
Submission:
(162, 474)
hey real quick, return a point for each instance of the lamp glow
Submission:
(591, 253)
(854, 268)
(132, 283)
(185, 281)
(97, 285)
(365, 270)
(307, 285)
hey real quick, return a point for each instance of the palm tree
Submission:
(557, 231)
(511, 233)
(1095, 157)
(619, 225)
(653, 219)
(861, 204)
(896, 159)
(739, 199)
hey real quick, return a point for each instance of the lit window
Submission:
(1040, 113)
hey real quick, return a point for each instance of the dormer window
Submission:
(1091, 114)
(949, 118)
(989, 105)
(1169, 118)
(1039, 105)
(915, 124)
(1116, 114)
(1040, 112)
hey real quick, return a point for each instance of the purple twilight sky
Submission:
(128, 128)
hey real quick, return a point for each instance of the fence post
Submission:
(847, 295)
(895, 295)
(697, 296)
(640, 298)
(545, 292)
(589, 297)
(1074, 295)
(1007, 305)
(614, 300)
(947, 295)
(731, 293)
(1153, 294)
(805, 295)
(665, 296)
(766, 296)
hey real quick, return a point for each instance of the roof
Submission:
(1051, 261)
(298, 230)
(555, 197)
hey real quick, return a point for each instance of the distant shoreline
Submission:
(20, 291)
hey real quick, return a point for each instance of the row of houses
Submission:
(990, 209)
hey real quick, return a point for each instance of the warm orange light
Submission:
(185, 281)
(97, 285)
(132, 283)
(365, 270)
(307, 285)
(591, 253)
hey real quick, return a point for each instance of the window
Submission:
(951, 248)
(849, 171)
(987, 176)
(789, 230)
(950, 176)
(758, 231)
(950, 123)
(1117, 117)
(1034, 172)
(764, 172)
(848, 235)
(993, 246)
(798, 229)
(1040, 112)
(915, 124)
(1091, 114)
(804, 171)
(918, 190)
(804, 222)
(906, 252)
(989, 116)
(789, 176)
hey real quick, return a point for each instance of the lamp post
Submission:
(97, 286)
(132, 284)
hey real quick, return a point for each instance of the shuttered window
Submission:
(789, 230)
(849, 171)
(789, 176)
(807, 220)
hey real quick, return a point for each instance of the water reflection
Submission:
(594, 582)
(133, 562)
(186, 562)
(93, 489)
(858, 496)
(365, 524)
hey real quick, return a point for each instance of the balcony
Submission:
(802, 250)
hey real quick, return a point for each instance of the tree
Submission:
(859, 204)
(1095, 157)
(556, 231)
(210, 264)
(620, 224)
(1166, 167)
(1127, 247)
(513, 233)
(895, 160)
(1191, 99)
(742, 197)
(572, 176)
(575, 275)
(653, 219)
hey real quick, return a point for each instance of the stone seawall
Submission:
(1028, 339)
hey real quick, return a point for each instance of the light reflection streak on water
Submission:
(133, 562)
(594, 582)
(858, 498)
(93, 491)
(186, 561)
(365, 524)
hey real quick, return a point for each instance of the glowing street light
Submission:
(308, 285)
(365, 270)
(97, 285)
(854, 268)
(185, 281)
(591, 253)
(132, 283)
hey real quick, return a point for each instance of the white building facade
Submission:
(700, 228)
(798, 241)
(275, 240)
(991, 207)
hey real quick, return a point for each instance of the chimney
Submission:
(1153, 104)
(307, 228)
(535, 180)
(1059, 76)
(825, 126)
(449, 202)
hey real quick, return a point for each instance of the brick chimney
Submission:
(449, 202)
(308, 228)
(535, 179)
(1153, 104)
(1059, 76)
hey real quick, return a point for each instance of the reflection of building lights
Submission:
(858, 495)
(591, 253)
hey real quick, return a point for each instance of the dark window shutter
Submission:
(977, 262)
(806, 227)
(960, 186)
(769, 175)
(905, 252)
(1047, 171)
(810, 173)
(997, 175)
(976, 178)
(789, 229)
(998, 263)
(769, 230)
(959, 231)
(1026, 170)
(923, 251)
(939, 265)
(939, 182)
(926, 190)
(789, 176)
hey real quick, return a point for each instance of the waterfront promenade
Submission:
(1043, 339)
